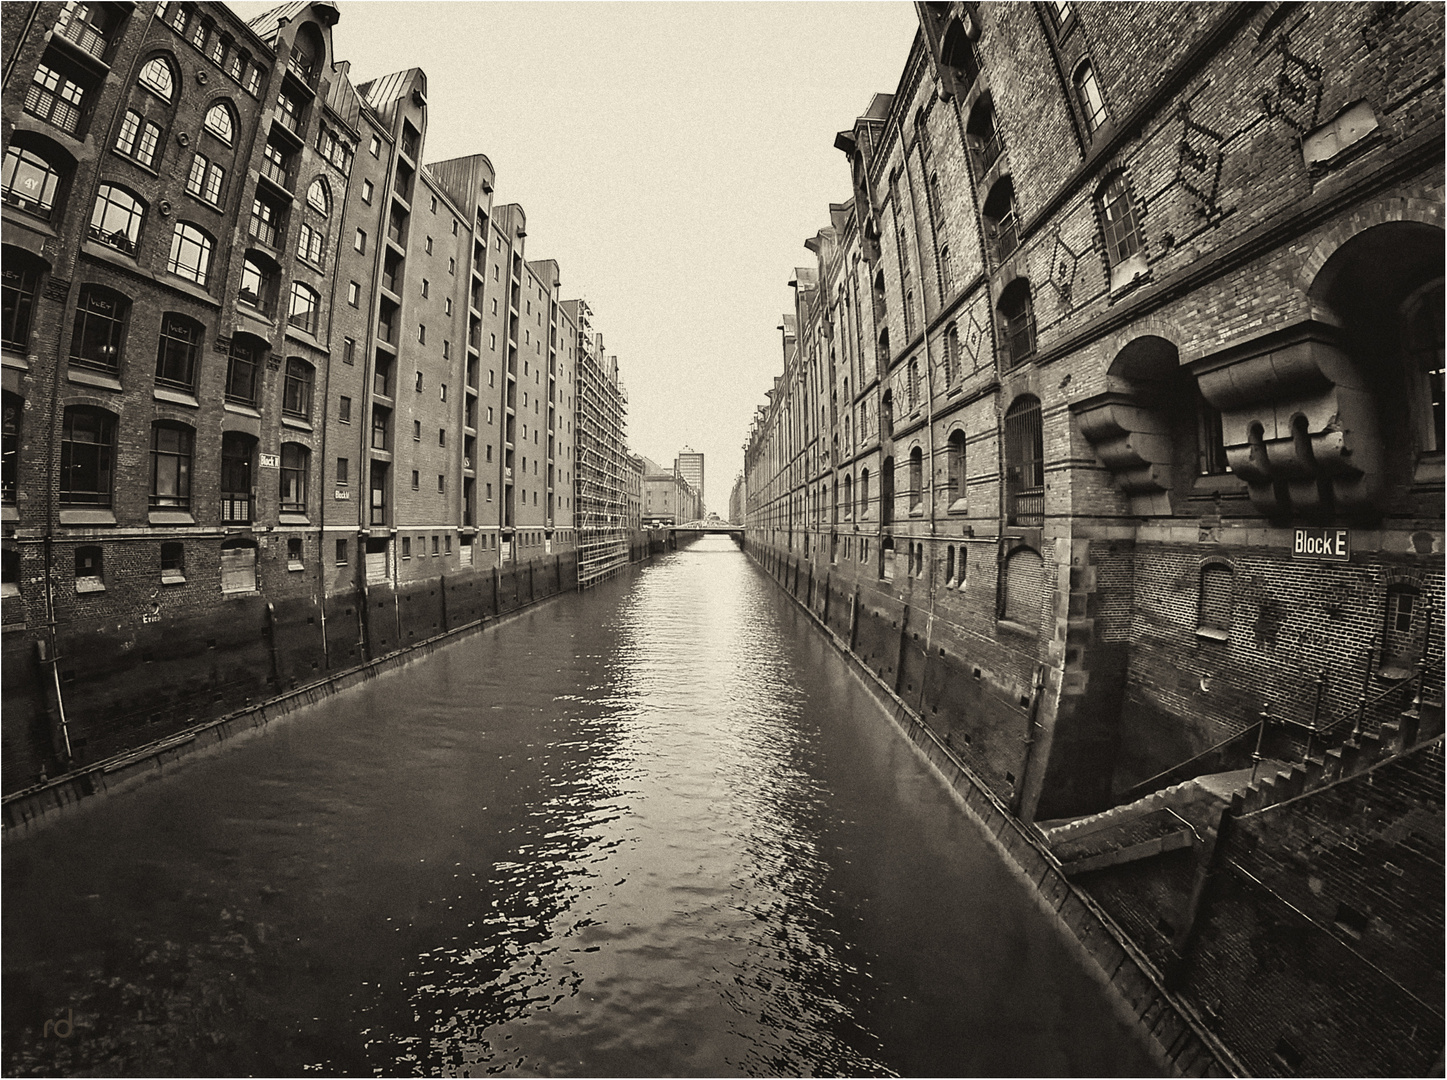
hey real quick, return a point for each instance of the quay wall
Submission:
(135, 694)
(885, 652)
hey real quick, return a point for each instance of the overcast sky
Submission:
(673, 157)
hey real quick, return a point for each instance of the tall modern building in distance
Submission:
(689, 465)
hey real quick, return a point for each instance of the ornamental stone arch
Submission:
(1322, 418)
(1130, 424)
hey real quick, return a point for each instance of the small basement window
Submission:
(173, 563)
(293, 554)
(88, 570)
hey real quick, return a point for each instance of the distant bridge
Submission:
(714, 527)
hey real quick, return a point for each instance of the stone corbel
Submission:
(1299, 423)
(1132, 438)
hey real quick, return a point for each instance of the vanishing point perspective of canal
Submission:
(656, 828)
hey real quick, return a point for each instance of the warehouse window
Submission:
(916, 481)
(1217, 586)
(190, 256)
(89, 569)
(1092, 102)
(159, 79)
(170, 465)
(1401, 644)
(238, 566)
(955, 463)
(1117, 217)
(295, 463)
(31, 181)
(173, 563)
(1024, 464)
(1017, 323)
(100, 329)
(178, 351)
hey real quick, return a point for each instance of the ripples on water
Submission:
(653, 830)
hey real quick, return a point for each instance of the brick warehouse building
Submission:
(278, 397)
(1125, 300)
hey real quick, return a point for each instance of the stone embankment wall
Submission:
(127, 687)
(891, 654)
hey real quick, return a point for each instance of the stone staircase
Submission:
(1167, 820)
(1351, 758)
(1183, 814)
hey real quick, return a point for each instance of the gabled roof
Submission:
(268, 24)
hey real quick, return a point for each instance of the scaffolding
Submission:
(602, 461)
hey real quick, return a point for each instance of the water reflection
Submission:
(653, 830)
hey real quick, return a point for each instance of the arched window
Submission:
(1118, 220)
(302, 313)
(1024, 464)
(220, 123)
(953, 368)
(30, 181)
(1001, 226)
(958, 55)
(87, 453)
(237, 452)
(1422, 344)
(882, 355)
(243, 369)
(238, 566)
(916, 391)
(178, 351)
(99, 332)
(983, 133)
(848, 497)
(295, 462)
(258, 283)
(950, 567)
(190, 256)
(158, 78)
(863, 494)
(296, 397)
(317, 197)
(171, 445)
(19, 275)
(956, 470)
(1017, 323)
(1024, 588)
(916, 480)
(117, 218)
(1092, 101)
(1213, 617)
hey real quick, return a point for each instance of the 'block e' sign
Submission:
(1322, 544)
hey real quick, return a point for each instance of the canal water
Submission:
(654, 829)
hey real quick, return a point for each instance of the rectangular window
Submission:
(441, 436)
(425, 287)
(452, 266)
(170, 466)
(406, 547)
(359, 242)
(429, 245)
(447, 306)
(367, 192)
(375, 146)
(416, 480)
(344, 410)
(295, 459)
(343, 466)
(442, 392)
(349, 350)
(342, 559)
(441, 486)
(354, 293)
(421, 335)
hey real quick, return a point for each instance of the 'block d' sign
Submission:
(1321, 544)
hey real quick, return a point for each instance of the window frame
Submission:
(166, 92)
(186, 236)
(43, 206)
(115, 322)
(178, 463)
(101, 494)
(298, 383)
(177, 354)
(101, 214)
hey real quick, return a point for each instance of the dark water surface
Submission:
(656, 829)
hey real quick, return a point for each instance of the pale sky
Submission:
(673, 157)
